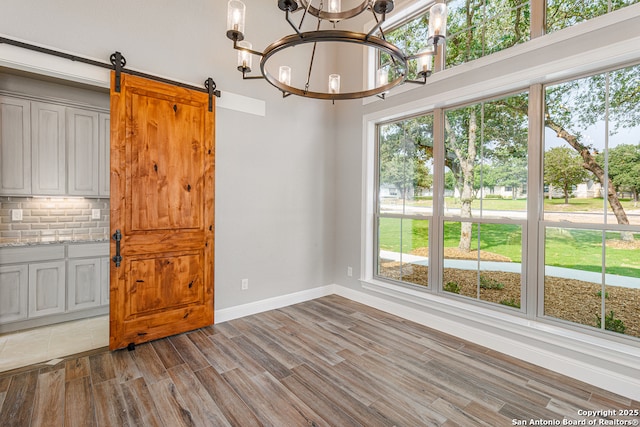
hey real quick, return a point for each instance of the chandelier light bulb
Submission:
(437, 22)
(334, 83)
(425, 61)
(334, 6)
(244, 57)
(284, 75)
(235, 16)
(383, 76)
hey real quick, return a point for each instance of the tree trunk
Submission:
(592, 165)
(467, 164)
(566, 194)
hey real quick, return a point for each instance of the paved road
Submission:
(583, 217)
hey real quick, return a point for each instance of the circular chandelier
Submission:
(331, 14)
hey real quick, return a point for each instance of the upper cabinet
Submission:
(104, 154)
(49, 149)
(82, 142)
(15, 146)
(48, 152)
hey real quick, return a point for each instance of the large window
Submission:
(405, 180)
(592, 178)
(580, 234)
(477, 28)
(485, 201)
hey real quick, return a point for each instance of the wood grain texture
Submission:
(162, 201)
(326, 362)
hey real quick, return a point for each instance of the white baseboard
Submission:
(611, 368)
(243, 310)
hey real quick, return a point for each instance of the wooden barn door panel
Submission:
(162, 199)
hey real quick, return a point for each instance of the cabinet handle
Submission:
(117, 258)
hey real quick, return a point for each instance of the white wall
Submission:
(274, 174)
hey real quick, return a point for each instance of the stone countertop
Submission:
(52, 242)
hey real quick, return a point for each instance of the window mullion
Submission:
(538, 13)
(533, 235)
(436, 228)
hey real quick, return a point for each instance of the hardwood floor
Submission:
(326, 362)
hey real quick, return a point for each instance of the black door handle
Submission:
(117, 258)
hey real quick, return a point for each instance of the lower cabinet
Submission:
(84, 284)
(14, 288)
(104, 280)
(66, 282)
(46, 288)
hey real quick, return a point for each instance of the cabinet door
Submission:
(83, 283)
(15, 146)
(48, 149)
(46, 288)
(14, 285)
(104, 280)
(104, 154)
(82, 142)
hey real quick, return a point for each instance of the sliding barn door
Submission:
(162, 211)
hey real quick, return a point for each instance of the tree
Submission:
(624, 168)
(473, 36)
(563, 169)
(405, 149)
(582, 103)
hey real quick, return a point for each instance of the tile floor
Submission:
(25, 348)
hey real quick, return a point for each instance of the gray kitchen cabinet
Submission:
(104, 154)
(84, 283)
(48, 151)
(47, 288)
(104, 279)
(83, 152)
(15, 146)
(14, 286)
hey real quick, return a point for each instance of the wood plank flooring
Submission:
(326, 362)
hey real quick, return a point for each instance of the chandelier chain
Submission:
(313, 52)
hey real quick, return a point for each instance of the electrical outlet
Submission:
(16, 214)
(245, 284)
(349, 271)
(95, 213)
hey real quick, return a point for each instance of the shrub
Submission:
(599, 294)
(511, 302)
(489, 283)
(611, 323)
(451, 287)
(493, 196)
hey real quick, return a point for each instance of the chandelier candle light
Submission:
(330, 11)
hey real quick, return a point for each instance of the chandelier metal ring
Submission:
(334, 36)
(335, 16)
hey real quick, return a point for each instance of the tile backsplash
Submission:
(52, 219)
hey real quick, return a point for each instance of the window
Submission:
(480, 27)
(405, 179)
(476, 28)
(592, 169)
(486, 169)
(411, 37)
(565, 13)
(587, 218)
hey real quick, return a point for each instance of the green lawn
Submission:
(564, 247)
